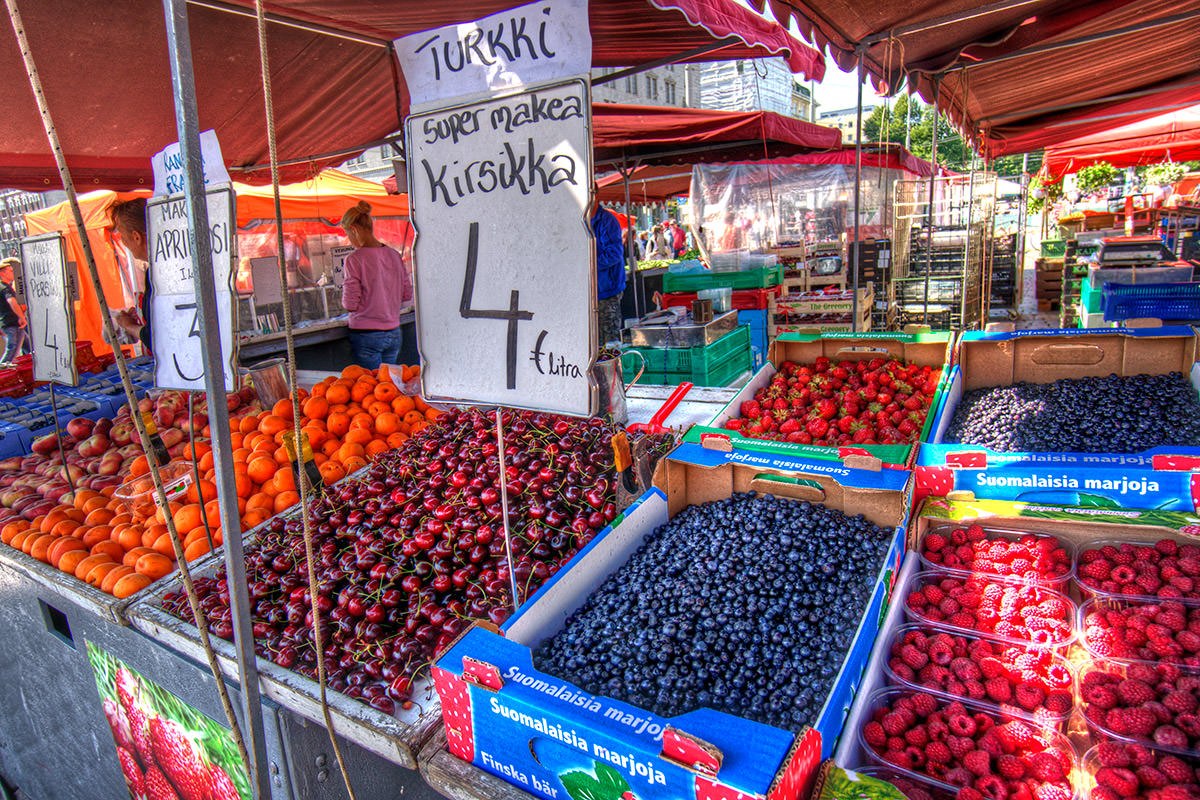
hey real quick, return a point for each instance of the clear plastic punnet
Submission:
(1056, 579)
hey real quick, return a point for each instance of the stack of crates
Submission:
(716, 364)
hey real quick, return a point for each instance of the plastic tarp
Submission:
(311, 211)
(754, 206)
(656, 183)
(1024, 75)
(336, 84)
(1174, 136)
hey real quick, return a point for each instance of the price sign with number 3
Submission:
(174, 316)
(50, 309)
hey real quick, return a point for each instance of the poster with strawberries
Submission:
(167, 749)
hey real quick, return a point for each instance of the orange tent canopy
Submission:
(325, 196)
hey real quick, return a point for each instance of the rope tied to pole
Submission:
(289, 336)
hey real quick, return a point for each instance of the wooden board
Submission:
(459, 780)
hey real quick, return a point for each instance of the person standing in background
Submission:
(375, 288)
(12, 316)
(610, 271)
(129, 222)
(677, 239)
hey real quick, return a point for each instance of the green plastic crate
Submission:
(1090, 298)
(707, 365)
(756, 278)
(687, 359)
(1054, 248)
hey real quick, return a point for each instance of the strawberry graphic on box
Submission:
(456, 713)
(933, 482)
(220, 787)
(129, 695)
(118, 720)
(133, 773)
(158, 787)
(174, 752)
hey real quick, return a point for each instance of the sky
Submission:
(840, 90)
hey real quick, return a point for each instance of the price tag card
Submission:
(50, 309)
(505, 273)
(174, 318)
(337, 256)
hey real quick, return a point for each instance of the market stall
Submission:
(314, 243)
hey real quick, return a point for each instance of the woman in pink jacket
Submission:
(375, 287)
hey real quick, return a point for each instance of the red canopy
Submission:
(654, 183)
(336, 85)
(1168, 137)
(666, 135)
(1022, 75)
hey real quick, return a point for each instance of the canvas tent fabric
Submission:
(1024, 75)
(336, 84)
(1174, 136)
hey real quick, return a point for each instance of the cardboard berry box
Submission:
(925, 349)
(540, 733)
(1162, 477)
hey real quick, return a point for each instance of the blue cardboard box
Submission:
(1161, 477)
(551, 738)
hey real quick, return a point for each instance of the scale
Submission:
(1118, 251)
(674, 327)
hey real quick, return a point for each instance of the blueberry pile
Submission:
(1113, 414)
(745, 605)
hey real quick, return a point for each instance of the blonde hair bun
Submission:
(363, 206)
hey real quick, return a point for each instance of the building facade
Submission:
(751, 85)
(845, 120)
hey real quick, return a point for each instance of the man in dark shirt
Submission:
(610, 270)
(12, 316)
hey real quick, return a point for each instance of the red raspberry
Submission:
(1146, 673)
(1176, 770)
(1134, 692)
(934, 542)
(1016, 735)
(969, 793)
(1150, 778)
(978, 762)
(949, 606)
(1059, 703)
(1029, 697)
(1045, 767)
(1112, 754)
(965, 669)
(1189, 724)
(1140, 755)
(933, 594)
(1160, 712)
(913, 657)
(1170, 736)
(1132, 721)
(975, 533)
(1048, 791)
(874, 735)
(917, 736)
(1171, 620)
(1168, 547)
(959, 746)
(962, 725)
(923, 704)
(1188, 640)
(1177, 793)
(999, 690)
(1123, 574)
(1010, 767)
(1119, 779)
(1095, 571)
(899, 758)
(1102, 697)
(937, 753)
(893, 724)
(1103, 793)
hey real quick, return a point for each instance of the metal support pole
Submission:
(857, 265)
(1019, 245)
(630, 259)
(937, 90)
(508, 552)
(967, 246)
(187, 123)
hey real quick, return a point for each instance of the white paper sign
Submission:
(50, 310)
(337, 256)
(170, 173)
(174, 319)
(505, 276)
(534, 43)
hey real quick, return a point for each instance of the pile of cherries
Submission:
(410, 550)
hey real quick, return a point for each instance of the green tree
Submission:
(891, 120)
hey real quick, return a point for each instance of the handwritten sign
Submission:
(170, 172)
(534, 43)
(505, 277)
(174, 318)
(337, 257)
(50, 309)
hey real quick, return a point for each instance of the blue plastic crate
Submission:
(1167, 301)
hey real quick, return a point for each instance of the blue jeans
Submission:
(372, 348)
(17, 341)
